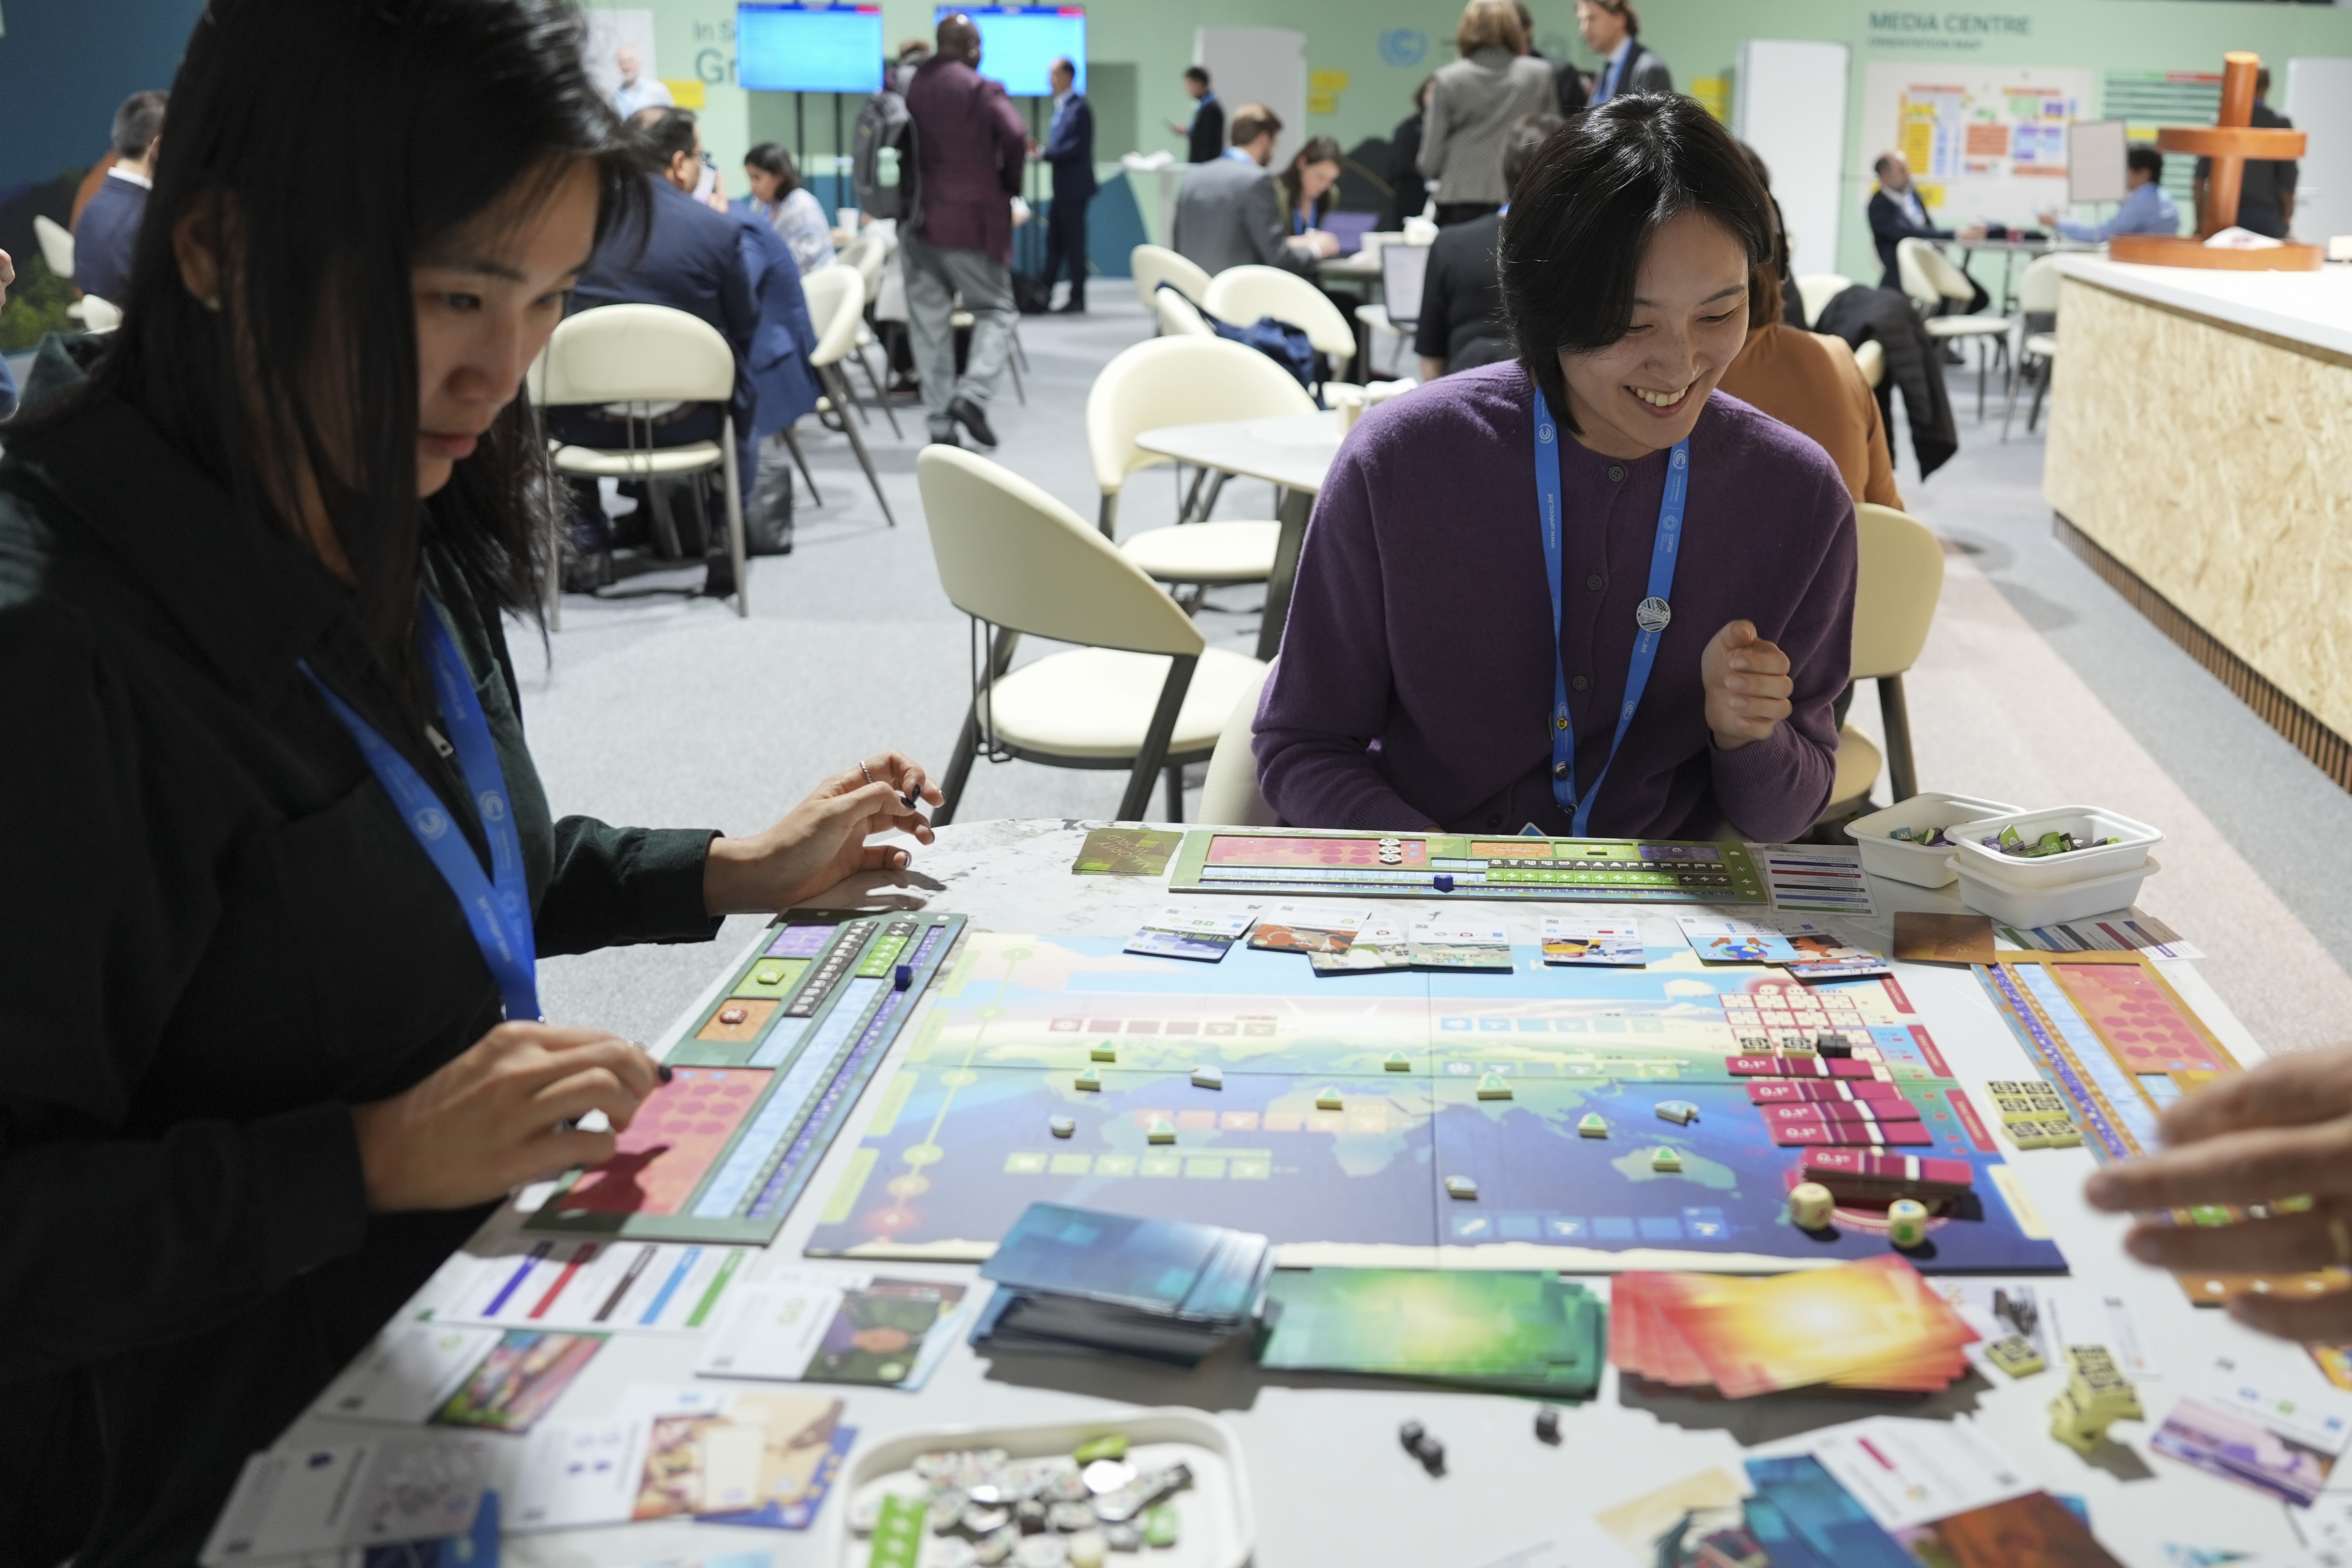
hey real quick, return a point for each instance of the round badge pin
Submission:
(1654, 614)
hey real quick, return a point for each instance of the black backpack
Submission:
(883, 164)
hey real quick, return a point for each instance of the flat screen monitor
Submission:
(785, 48)
(1349, 229)
(1403, 268)
(1019, 44)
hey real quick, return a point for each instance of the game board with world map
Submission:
(1346, 1103)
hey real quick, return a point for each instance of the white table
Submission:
(1330, 1482)
(1292, 453)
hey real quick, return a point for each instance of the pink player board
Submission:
(2139, 1022)
(676, 1137)
(1235, 849)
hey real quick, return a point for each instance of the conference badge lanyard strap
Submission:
(1650, 619)
(497, 908)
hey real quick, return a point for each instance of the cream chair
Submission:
(2036, 352)
(1818, 288)
(642, 355)
(1929, 278)
(1899, 578)
(864, 255)
(1229, 796)
(837, 303)
(1185, 381)
(56, 243)
(100, 315)
(1242, 294)
(1178, 317)
(1140, 691)
(1872, 357)
(1153, 264)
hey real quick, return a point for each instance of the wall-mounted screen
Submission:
(786, 47)
(1019, 44)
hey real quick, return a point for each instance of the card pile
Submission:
(1509, 1333)
(1180, 932)
(1075, 1279)
(758, 1457)
(1337, 939)
(1453, 945)
(1875, 1324)
(1808, 951)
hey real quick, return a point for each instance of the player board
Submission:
(1301, 865)
(2121, 1046)
(761, 1085)
(1346, 1103)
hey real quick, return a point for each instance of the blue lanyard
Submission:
(501, 914)
(1650, 619)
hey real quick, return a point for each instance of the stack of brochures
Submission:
(1075, 1279)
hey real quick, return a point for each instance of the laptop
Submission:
(1349, 229)
(1402, 268)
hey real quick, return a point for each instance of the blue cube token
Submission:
(905, 978)
(1445, 881)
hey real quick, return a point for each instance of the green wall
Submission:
(1385, 47)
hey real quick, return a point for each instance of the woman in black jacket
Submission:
(1408, 192)
(280, 865)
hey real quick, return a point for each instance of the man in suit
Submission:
(1613, 29)
(1205, 136)
(1070, 152)
(2266, 189)
(690, 257)
(1230, 213)
(107, 230)
(1896, 214)
(970, 149)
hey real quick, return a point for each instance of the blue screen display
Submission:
(1019, 44)
(794, 48)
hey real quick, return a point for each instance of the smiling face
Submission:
(487, 298)
(1642, 393)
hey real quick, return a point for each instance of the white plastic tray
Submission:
(1916, 863)
(1216, 1528)
(2014, 906)
(2055, 870)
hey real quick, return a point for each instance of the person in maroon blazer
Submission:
(970, 151)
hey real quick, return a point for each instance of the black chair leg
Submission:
(1175, 792)
(1153, 756)
(967, 748)
(1894, 712)
(800, 461)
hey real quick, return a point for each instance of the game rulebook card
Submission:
(1572, 941)
(1180, 932)
(1457, 946)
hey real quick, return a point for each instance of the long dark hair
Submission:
(1582, 213)
(771, 159)
(328, 144)
(1320, 149)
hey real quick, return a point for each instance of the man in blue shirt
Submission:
(2146, 210)
(107, 230)
(1070, 150)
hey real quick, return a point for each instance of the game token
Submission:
(1109, 1445)
(898, 1534)
(863, 1516)
(948, 1508)
(1030, 1515)
(1087, 1549)
(2014, 1356)
(1042, 1551)
(1063, 1126)
(1326, 1100)
(1106, 1051)
(1410, 1434)
(1069, 1517)
(1682, 1113)
(730, 1016)
(1832, 1045)
(1064, 1484)
(767, 975)
(1906, 1222)
(1161, 1130)
(1494, 1086)
(950, 1552)
(1122, 1537)
(996, 1547)
(1443, 883)
(1160, 1526)
(1547, 1425)
(1107, 1475)
(903, 978)
(987, 1495)
(2051, 1135)
(1810, 1206)
(1090, 1079)
(1461, 1186)
(1593, 1125)
(1665, 1161)
(1398, 1062)
(1208, 1078)
(981, 1521)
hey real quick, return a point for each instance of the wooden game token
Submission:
(1811, 1206)
(1063, 1126)
(1106, 1051)
(1161, 1132)
(1665, 1161)
(1906, 1222)
(2015, 1356)
(1398, 1062)
(1326, 1100)
(1593, 1125)
(1494, 1086)
(1207, 1077)
(1461, 1186)
(1089, 1078)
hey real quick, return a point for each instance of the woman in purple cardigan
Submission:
(1581, 592)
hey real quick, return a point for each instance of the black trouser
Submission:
(1065, 236)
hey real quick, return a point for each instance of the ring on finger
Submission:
(862, 769)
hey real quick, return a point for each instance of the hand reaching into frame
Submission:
(823, 840)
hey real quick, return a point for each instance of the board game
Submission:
(1302, 865)
(1342, 1114)
(761, 1085)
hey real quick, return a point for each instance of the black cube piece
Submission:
(1410, 1435)
(1547, 1425)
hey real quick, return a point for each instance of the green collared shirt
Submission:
(216, 936)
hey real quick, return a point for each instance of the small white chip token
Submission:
(1063, 1126)
(1208, 1078)
(1461, 1186)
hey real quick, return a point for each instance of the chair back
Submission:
(1229, 796)
(1872, 357)
(100, 315)
(633, 353)
(1911, 271)
(1949, 281)
(1242, 294)
(836, 302)
(1818, 288)
(1153, 264)
(56, 245)
(1898, 580)
(1179, 381)
(865, 255)
(2037, 289)
(1179, 317)
(1009, 553)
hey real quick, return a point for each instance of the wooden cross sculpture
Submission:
(2228, 141)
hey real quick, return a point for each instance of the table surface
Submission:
(1294, 451)
(2311, 308)
(1329, 1481)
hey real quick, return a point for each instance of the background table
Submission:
(1292, 453)
(1329, 1481)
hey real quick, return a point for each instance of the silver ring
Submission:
(869, 778)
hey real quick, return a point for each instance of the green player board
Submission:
(1346, 1103)
(761, 1085)
(1289, 862)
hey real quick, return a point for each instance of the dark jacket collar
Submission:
(249, 600)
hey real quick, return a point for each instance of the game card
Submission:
(321, 1500)
(1125, 851)
(1307, 927)
(1570, 941)
(773, 1330)
(1921, 938)
(1177, 932)
(1910, 1472)
(1377, 944)
(577, 1473)
(1822, 956)
(2240, 1448)
(526, 1372)
(1452, 946)
(1826, 877)
(1720, 941)
(409, 1371)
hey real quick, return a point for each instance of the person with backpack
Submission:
(969, 149)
